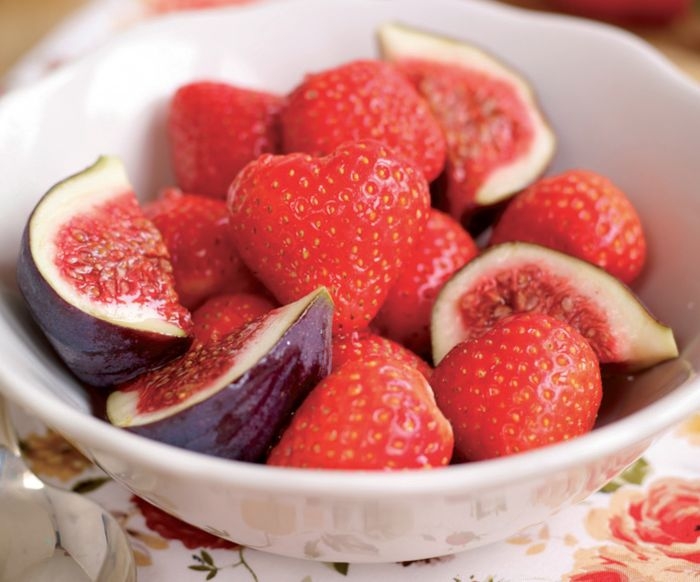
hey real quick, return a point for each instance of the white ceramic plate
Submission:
(617, 107)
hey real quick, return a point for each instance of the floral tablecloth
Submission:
(643, 526)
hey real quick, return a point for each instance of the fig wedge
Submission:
(97, 279)
(498, 140)
(519, 277)
(232, 397)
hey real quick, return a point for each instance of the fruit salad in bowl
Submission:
(388, 290)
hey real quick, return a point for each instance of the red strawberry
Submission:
(365, 345)
(364, 99)
(214, 129)
(222, 314)
(580, 213)
(530, 381)
(373, 414)
(347, 222)
(198, 237)
(405, 316)
(647, 12)
(160, 6)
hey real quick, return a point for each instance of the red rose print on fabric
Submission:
(665, 519)
(172, 528)
(656, 532)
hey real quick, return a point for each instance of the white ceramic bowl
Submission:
(617, 107)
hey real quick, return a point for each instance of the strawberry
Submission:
(366, 99)
(645, 12)
(580, 213)
(375, 414)
(405, 316)
(197, 234)
(161, 6)
(222, 314)
(347, 221)
(214, 129)
(530, 381)
(365, 345)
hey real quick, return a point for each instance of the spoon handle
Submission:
(50, 534)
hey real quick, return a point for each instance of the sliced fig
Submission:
(96, 276)
(519, 277)
(231, 398)
(498, 140)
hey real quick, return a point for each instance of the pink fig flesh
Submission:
(96, 276)
(519, 277)
(232, 397)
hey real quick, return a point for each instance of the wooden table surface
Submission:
(680, 41)
(24, 22)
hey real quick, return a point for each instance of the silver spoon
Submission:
(48, 534)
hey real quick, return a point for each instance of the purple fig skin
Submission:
(98, 352)
(245, 417)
